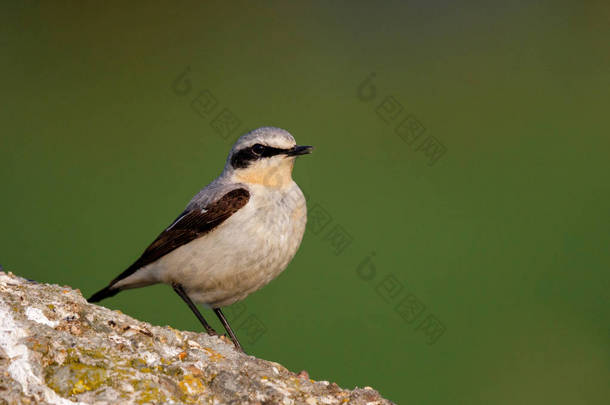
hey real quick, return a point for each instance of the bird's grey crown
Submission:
(268, 136)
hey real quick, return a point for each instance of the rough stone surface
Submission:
(56, 348)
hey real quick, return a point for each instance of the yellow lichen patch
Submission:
(80, 387)
(191, 385)
(213, 355)
(75, 378)
(148, 393)
(98, 354)
(137, 363)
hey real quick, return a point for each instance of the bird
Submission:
(234, 236)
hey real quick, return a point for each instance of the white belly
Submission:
(241, 255)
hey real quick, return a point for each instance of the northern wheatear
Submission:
(235, 235)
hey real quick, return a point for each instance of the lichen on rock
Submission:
(56, 348)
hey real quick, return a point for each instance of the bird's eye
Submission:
(258, 149)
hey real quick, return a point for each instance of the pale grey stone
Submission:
(56, 348)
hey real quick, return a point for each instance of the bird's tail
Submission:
(104, 293)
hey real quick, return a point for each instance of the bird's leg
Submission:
(180, 291)
(224, 322)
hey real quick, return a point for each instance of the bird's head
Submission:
(264, 156)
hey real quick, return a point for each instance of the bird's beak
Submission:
(299, 150)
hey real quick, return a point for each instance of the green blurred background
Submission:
(503, 241)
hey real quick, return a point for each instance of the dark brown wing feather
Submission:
(190, 225)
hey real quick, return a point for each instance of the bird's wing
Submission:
(191, 224)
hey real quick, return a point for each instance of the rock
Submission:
(56, 348)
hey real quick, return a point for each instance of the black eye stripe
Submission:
(244, 156)
(269, 151)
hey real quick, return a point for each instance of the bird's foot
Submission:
(211, 332)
